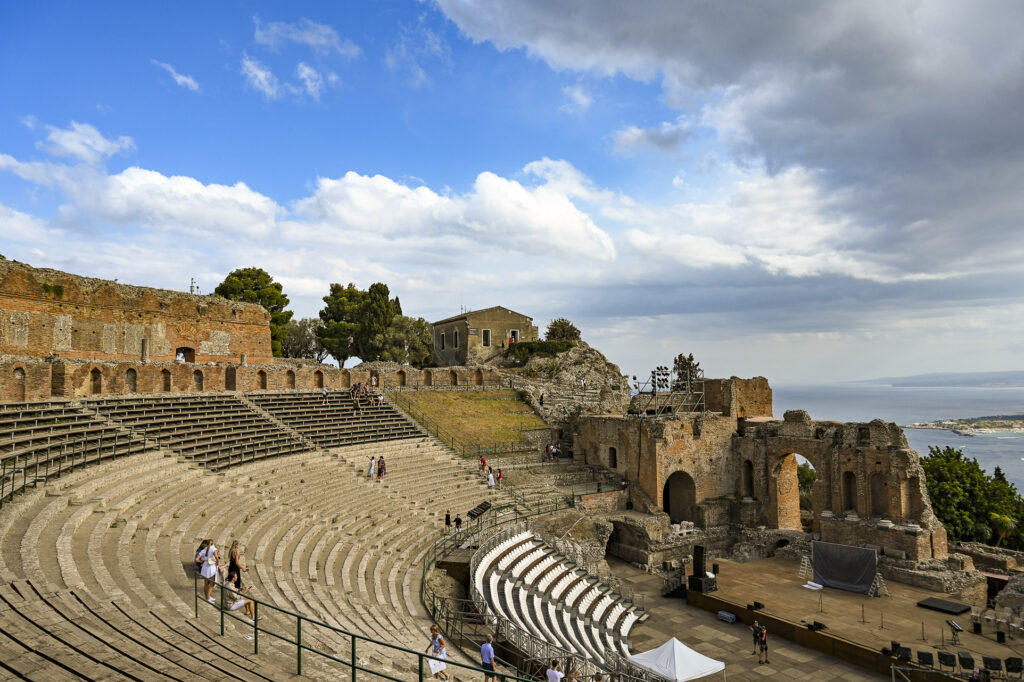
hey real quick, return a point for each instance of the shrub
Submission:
(523, 350)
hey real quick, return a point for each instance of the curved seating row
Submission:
(533, 586)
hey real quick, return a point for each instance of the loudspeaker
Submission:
(819, 626)
(714, 568)
(699, 560)
(702, 584)
(1001, 637)
(977, 628)
(758, 605)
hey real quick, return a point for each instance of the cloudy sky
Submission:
(811, 192)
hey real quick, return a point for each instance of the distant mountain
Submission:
(955, 380)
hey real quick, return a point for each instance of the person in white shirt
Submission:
(554, 674)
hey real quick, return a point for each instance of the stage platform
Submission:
(702, 631)
(871, 622)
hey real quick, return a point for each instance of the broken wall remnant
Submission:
(716, 470)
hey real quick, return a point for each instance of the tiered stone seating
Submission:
(336, 422)
(320, 539)
(526, 582)
(214, 431)
(45, 635)
(39, 440)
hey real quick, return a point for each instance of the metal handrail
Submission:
(352, 663)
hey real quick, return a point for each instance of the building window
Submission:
(513, 336)
(442, 340)
(455, 339)
(486, 338)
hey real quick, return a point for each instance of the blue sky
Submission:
(811, 195)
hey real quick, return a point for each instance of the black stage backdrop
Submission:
(843, 566)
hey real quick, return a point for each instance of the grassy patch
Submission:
(478, 418)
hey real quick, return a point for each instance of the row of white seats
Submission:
(537, 589)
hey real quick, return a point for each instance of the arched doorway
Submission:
(879, 495)
(230, 379)
(346, 379)
(165, 380)
(849, 491)
(262, 376)
(428, 378)
(747, 479)
(454, 378)
(613, 458)
(679, 498)
(197, 380)
(131, 381)
(478, 378)
(19, 384)
(374, 378)
(318, 379)
(96, 381)
(400, 377)
(289, 379)
(185, 354)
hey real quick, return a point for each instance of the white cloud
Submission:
(22, 227)
(84, 142)
(417, 45)
(320, 37)
(260, 78)
(187, 82)
(311, 79)
(576, 100)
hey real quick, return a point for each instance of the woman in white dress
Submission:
(211, 567)
(439, 668)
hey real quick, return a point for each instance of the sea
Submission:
(862, 402)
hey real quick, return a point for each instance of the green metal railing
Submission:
(287, 627)
(449, 439)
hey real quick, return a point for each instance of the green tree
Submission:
(355, 322)
(255, 285)
(972, 505)
(562, 330)
(407, 340)
(687, 370)
(301, 341)
(805, 477)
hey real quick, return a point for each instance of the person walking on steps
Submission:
(755, 632)
(762, 646)
(373, 468)
(499, 478)
(458, 523)
(447, 522)
(487, 656)
(490, 482)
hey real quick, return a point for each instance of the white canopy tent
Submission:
(677, 662)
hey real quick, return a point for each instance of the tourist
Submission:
(211, 564)
(553, 673)
(583, 383)
(762, 646)
(373, 467)
(439, 667)
(490, 481)
(381, 468)
(458, 523)
(200, 560)
(541, 400)
(755, 631)
(499, 478)
(324, 388)
(598, 677)
(250, 608)
(483, 464)
(447, 521)
(487, 656)
(235, 567)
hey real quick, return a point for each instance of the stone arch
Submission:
(318, 379)
(613, 458)
(374, 378)
(19, 392)
(185, 354)
(849, 480)
(165, 380)
(131, 381)
(478, 378)
(428, 378)
(400, 377)
(262, 376)
(95, 381)
(454, 377)
(197, 380)
(747, 479)
(679, 498)
(879, 494)
(289, 379)
(231, 379)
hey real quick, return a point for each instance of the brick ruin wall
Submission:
(717, 470)
(45, 312)
(736, 397)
